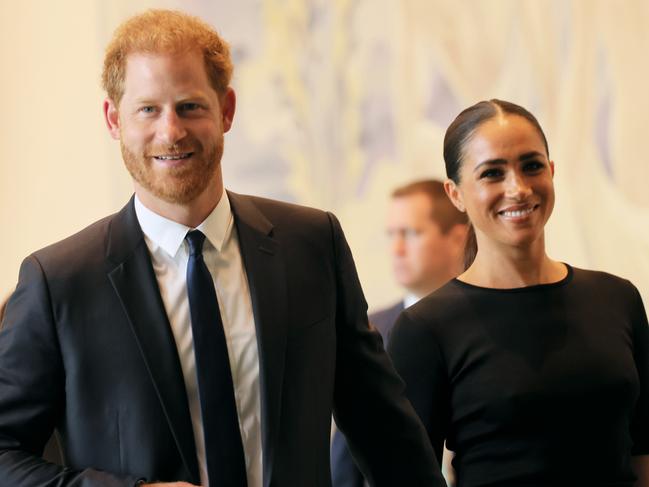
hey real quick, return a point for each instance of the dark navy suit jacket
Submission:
(344, 472)
(87, 349)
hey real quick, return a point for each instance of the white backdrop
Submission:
(338, 102)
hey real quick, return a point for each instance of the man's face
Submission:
(422, 256)
(170, 124)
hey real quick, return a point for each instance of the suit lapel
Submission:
(264, 263)
(134, 281)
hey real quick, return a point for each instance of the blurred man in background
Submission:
(427, 235)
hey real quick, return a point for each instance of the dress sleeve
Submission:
(640, 420)
(417, 357)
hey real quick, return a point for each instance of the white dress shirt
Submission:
(410, 299)
(169, 251)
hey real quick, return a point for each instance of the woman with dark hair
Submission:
(535, 373)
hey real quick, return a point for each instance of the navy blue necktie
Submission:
(226, 465)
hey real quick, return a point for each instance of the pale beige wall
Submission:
(58, 170)
(304, 83)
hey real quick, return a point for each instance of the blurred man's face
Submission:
(423, 257)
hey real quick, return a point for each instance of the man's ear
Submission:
(111, 116)
(552, 168)
(454, 194)
(228, 106)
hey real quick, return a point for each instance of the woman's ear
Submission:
(454, 194)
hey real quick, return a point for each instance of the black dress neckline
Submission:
(535, 287)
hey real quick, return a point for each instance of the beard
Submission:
(174, 184)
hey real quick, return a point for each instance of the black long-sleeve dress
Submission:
(538, 386)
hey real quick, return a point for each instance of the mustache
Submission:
(173, 149)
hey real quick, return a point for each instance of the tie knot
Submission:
(195, 239)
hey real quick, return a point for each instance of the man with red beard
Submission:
(197, 336)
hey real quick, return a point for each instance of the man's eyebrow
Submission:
(193, 97)
(144, 101)
(184, 99)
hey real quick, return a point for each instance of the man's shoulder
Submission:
(81, 248)
(385, 318)
(389, 311)
(287, 219)
(275, 208)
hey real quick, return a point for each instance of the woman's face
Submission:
(506, 183)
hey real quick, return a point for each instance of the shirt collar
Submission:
(169, 235)
(409, 300)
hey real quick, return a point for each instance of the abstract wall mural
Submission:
(339, 101)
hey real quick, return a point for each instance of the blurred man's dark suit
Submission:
(103, 367)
